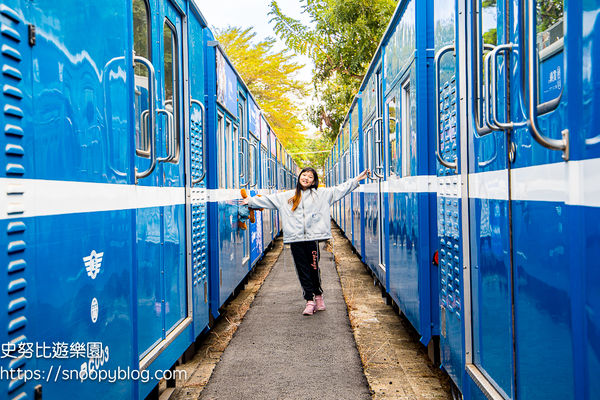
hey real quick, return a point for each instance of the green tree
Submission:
(271, 77)
(549, 12)
(341, 40)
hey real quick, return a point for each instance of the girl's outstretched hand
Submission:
(364, 174)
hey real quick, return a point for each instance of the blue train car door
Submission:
(256, 233)
(162, 284)
(488, 298)
(198, 162)
(378, 128)
(244, 169)
(553, 176)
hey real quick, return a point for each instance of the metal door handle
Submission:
(151, 114)
(436, 86)
(485, 128)
(170, 135)
(203, 113)
(143, 132)
(532, 66)
(246, 162)
(366, 149)
(487, 117)
(494, 71)
(378, 145)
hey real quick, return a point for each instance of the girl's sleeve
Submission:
(338, 192)
(264, 201)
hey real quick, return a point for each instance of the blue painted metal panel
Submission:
(227, 84)
(80, 89)
(230, 251)
(66, 291)
(256, 238)
(449, 207)
(174, 225)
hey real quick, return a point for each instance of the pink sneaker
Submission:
(310, 308)
(320, 303)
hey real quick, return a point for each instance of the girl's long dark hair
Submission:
(295, 201)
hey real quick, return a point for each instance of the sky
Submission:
(254, 13)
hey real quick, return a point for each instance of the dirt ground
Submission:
(394, 362)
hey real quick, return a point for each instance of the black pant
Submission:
(306, 257)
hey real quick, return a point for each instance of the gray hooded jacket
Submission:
(311, 220)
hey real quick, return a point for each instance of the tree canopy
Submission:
(270, 76)
(341, 40)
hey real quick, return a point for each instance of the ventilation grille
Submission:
(12, 47)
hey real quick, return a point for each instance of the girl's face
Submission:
(306, 179)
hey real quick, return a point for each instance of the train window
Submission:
(392, 136)
(141, 47)
(550, 43)
(406, 131)
(489, 18)
(221, 151)
(550, 28)
(171, 94)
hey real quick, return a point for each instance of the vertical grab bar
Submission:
(378, 142)
(532, 66)
(485, 129)
(366, 150)
(203, 112)
(487, 117)
(246, 162)
(170, 135)
(494, 72)
(144, 132)
(151, 114)
(436, 86)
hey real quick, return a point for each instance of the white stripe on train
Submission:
(573, 183)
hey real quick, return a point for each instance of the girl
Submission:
(306, 221)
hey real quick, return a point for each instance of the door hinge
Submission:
(31, 30)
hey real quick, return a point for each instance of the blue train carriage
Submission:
(526, 142)
(399, 235)
(114, 200)
(227, 115)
